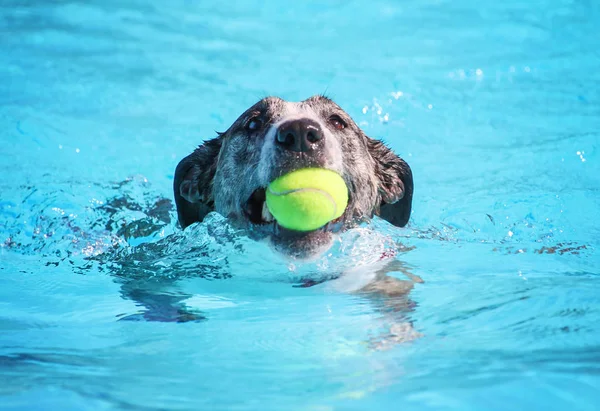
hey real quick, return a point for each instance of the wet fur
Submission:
(223, 173)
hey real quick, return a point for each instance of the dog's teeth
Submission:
(266, 214)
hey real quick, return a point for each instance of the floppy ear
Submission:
(193, 184)
(395, 184)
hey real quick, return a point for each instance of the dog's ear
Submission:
(193, 183)
(395, 184)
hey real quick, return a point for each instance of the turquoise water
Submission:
(496, 107)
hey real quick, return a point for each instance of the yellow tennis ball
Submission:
(307, 199)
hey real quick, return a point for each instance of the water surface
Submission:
(495, 107)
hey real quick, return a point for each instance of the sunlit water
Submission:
(106, 304)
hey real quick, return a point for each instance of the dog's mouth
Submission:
(258, 215)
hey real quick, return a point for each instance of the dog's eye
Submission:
(253, 124)
(337, 122)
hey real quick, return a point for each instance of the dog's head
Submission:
(229, 174)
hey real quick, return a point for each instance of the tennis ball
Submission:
(307, 199)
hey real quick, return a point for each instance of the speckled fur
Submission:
(223, 173)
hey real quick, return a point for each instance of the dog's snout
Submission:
(300, 135)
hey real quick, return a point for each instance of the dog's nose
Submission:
(301, 135)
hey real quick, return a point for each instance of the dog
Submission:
(228, 174)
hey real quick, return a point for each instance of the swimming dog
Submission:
(228, 174)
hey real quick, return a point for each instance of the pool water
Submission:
(106, 304)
